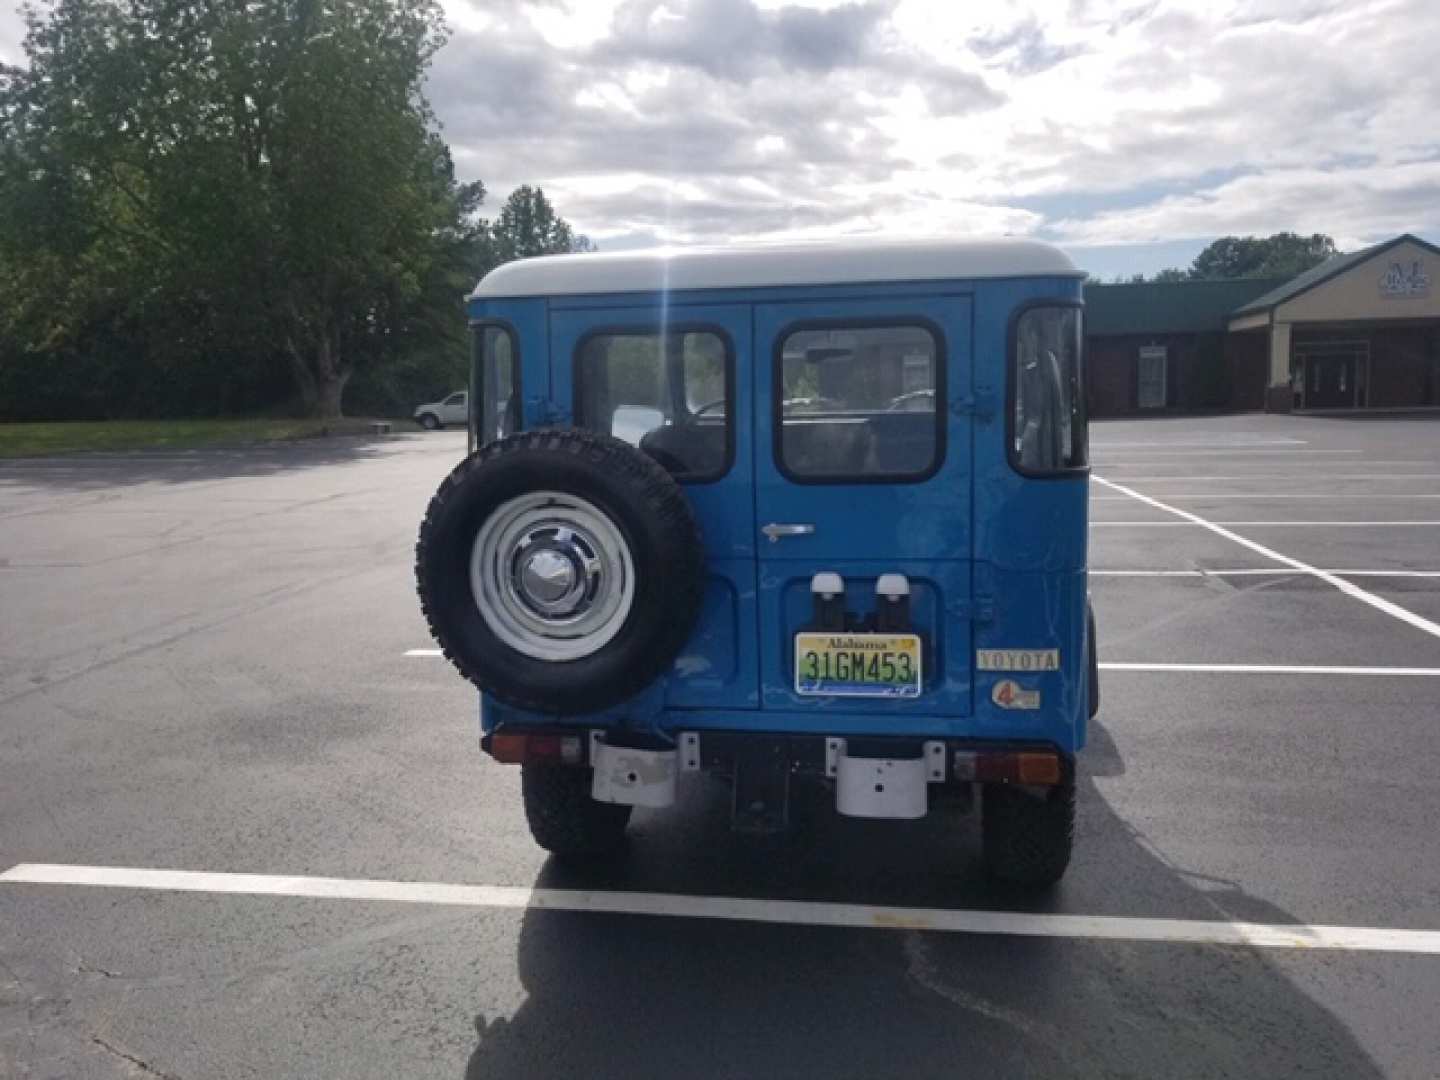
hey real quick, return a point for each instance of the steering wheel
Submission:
(703, 409)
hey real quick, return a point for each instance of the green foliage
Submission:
(528, 225)
(1284, 254)
(208, 206)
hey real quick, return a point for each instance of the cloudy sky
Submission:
(1129, 131)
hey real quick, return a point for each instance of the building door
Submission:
(1330, 382)
(1150, 377)
(1334, 374)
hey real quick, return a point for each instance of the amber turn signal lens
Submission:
(1038, 768)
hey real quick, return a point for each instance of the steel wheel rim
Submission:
(552, 576)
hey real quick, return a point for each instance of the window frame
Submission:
(661, 331)
(476, 389)
(1069, 472)
(868, 322)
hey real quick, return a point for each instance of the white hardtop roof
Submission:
(817, 263)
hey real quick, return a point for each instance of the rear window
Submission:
(1048, 424)
(494, 386)
(857, 403)
(668, 394)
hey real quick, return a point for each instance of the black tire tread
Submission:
(1027, 838)
(1092, 647)
(564, 819)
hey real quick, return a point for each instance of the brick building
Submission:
(1359, 331)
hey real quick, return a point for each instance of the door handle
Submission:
(775, 530)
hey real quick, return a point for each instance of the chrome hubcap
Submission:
(547, 579)
(552, 576)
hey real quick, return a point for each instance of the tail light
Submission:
(522, 748)
(1039, 767)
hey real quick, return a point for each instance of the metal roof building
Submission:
(1359, 331)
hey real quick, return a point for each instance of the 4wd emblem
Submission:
(1017, 659)
(1009, 694)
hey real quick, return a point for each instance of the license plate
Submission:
(858, 665)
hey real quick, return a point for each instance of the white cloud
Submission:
(1094, 122)
(1371, 201)
(1089, 121)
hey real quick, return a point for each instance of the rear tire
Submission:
(564, 819)
(1027, 834)
(1093, 658)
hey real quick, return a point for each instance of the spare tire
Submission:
(560, 570)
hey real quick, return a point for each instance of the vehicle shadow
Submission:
(643, 996)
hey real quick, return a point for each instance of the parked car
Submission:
(454, 409)
(795, 514)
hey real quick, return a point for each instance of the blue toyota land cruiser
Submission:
(794, 513)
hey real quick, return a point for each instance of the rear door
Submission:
(675, 381)
(863, 468)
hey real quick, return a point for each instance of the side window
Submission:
(1048, 424)
(858, 403)
(455, 399)
(494, 380)
(668, 394)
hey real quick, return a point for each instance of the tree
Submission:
(262, 174)
(1171, 274)
(528, 225)
(1284, 254)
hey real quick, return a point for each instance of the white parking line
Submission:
(1231, 444)
(1268, 669)
(744, 909)
(1265, 572)
(423, 652)
(1186, 478)
(1349, 588)
(1231, 453)
(1317, 496)
(1276, 524)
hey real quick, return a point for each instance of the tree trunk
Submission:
(330, 378)
(304, 378)
(329, 390)
(321, 383)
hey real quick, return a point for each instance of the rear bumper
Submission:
(1059, 724)
(957, 760)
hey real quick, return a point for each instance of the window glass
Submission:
(668, 394)
(495, 382)
(1049, 429)
(859, 402)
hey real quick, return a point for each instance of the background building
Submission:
(1358, 331)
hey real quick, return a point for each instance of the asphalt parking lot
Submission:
(203, 667)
